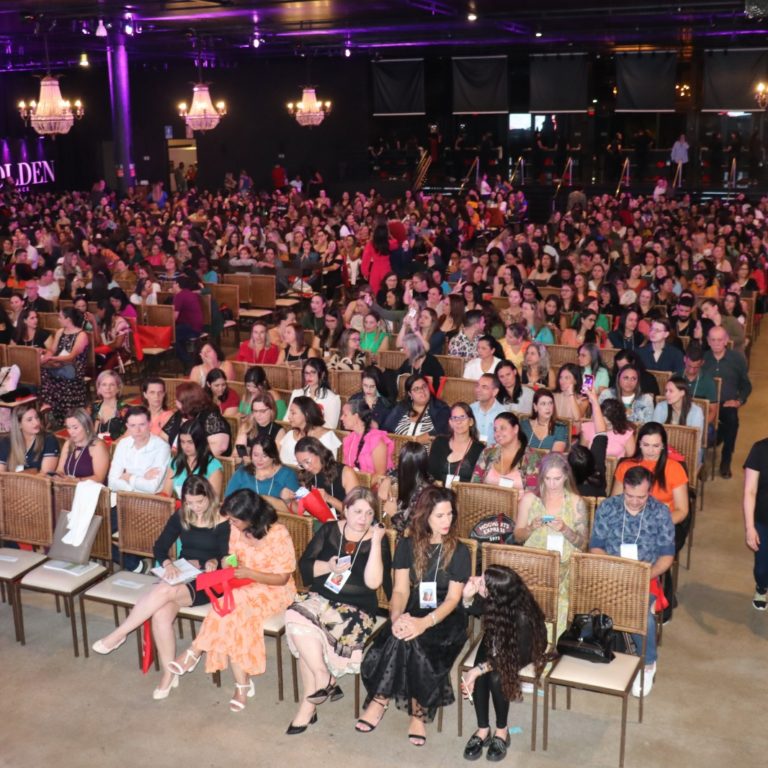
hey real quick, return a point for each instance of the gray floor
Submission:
(705, 709)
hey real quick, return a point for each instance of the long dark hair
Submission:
(330, 468)
(513, 421)
(268, 446)
(509, 603)
(249, 507)
(313, 415)
(681, 383)
(615, 412)
(380, 239)
(504, 396)
(421, 533)
(652, 428)
(323, 387)
(540, 394)
(203, 454)
(214, 375)
(412, 471)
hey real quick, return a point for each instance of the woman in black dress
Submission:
(204, 537)
(327, 628)
(411, 659)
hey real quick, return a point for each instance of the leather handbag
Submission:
(221, 583)
(590, 637)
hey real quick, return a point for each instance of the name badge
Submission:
(450, 480)
(336, 581)
(19, 468)
(506, 482)
(629, 551)
(427, 594)
(555, 542)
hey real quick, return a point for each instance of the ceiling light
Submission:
(310, 111)
(537, 34)
(256, 42)
(471, 16)
(128, 26)
(84, 60)
(101, 30)
(347, 52)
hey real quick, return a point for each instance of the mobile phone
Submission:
(343, 561)
(588, 383)
(242, 451)
(547, 518)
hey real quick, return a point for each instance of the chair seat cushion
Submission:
(616, 676)
(48, 580)
(275, 625)
(195, 611)
(122, 588)
(16, 562)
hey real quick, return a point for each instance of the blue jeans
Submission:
(130, 562)
(761, 558)
(650, 645)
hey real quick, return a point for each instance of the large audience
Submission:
(489, 351)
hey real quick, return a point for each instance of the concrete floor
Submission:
(704, 709)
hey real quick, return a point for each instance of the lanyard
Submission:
(357, 548)
(271, 483)
(640, 527)
(437, 563)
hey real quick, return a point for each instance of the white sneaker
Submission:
(650, 673)
(760, 600)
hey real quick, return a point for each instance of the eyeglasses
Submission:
(419, 388)
(261, 410)
(458, 418)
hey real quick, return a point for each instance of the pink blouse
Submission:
(616, 442)
(365, 460)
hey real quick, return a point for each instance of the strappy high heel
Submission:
(250, 692)
(369, 726)
(181, 669)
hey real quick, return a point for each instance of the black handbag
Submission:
(494, 529)
(590, 637)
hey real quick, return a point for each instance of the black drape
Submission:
(730, 78)
(646, 82)
(480, 85)
(398, 87)
(559, 83)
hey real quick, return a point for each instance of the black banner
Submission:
(398, 87)
(730, 78)
(480, 85)
(646, 82)
(559, 83)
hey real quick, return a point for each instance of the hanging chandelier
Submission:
(51, 114)
(309, 111)
(202, 115)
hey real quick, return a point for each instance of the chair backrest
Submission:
(207, 308)
(610, 471)
(538, 568)
(346, 383)
(26, 509)
(28, 360)
(400, 441)
(613, 585)
(227, 294)
(476, 501)
(3, 355)
(64, 495)
(474, 548)
(391, 359)
(162, 315)
(263, 291)
(452, 365)
(662, 377)
(228, 465)
(363, 478)
(608, 356)
(687, 441)
(703, 403)
(300, 529)
(141, 518)
(170, 390)
(243, 283)
(560, 354)
(49, 321)
(458, 390)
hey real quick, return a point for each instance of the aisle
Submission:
(703, 711)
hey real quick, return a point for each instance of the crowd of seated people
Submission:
(583, 341)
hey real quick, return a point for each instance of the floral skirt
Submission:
(342, 629)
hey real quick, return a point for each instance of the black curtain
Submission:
(559, 83)
(398, 87)
(730, 78)
(480, 85)
(646, 82)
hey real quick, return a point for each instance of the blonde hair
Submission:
(17, 455)
(555, 461)
(83, 418)
(196, 485)
(105, 375)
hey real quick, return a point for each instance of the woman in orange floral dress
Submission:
(265, 554)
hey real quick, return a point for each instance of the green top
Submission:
(370, 342)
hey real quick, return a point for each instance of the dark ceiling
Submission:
(164, 29)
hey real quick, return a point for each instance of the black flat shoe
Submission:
(474, 747)
(322, 695)
(497, 749)
(293, 730)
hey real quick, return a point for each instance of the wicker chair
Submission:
(391, 359)
(457, 390)
(229, 466)
(662, 377)
(300, 529)
(560, 355)
(687, 441)
(141, 518)
(26, 517)
(28, 360)
(540, 570)
(618, 587)
(64, 585)
(452, 365)
(347, 383)
(400, 441)
(476, 501)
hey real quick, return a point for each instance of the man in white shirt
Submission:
(486, 408)
(48, 286)
(139, 464)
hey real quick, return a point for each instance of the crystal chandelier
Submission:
(309, 111)
(202, 115)
(761, 95)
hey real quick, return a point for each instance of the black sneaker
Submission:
(474, 748)
(760, 600)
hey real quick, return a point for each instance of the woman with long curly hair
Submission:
(514, 635)
(411, 659)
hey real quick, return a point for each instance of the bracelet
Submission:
(434, 621)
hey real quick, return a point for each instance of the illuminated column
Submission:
(120, 101)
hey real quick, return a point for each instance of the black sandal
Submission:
(322, 695)
(370, 727)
